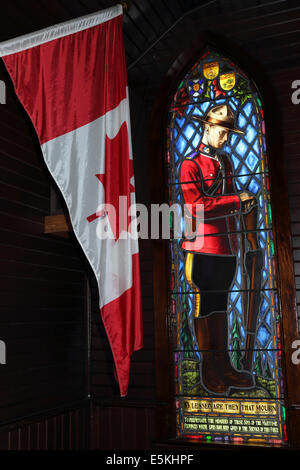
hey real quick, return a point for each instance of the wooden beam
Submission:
(57, 225)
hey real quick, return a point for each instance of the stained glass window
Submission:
(223, 295)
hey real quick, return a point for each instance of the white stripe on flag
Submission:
(73, 160)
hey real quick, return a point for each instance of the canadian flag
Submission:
(71, 79)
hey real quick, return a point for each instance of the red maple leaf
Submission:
(116, 182)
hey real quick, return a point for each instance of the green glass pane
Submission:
(270, 212)
(171, 220)
(283, 414)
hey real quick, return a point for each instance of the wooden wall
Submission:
(42, 282)
(290, 118)
(60, 430)
(122, 427)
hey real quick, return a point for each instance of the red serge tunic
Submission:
(209, 182)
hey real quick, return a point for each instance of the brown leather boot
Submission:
(217, 373)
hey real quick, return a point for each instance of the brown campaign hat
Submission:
(222, 116)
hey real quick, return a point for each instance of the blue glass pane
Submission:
(189, 109)
(182, 225)
(238, 186)
(268, 319)
(204, 107)
(261, 223)
(234, 104)
(264, 306)
(196, 112)
(242, 121)
(253, 187)
(190, 304)
(181, 144)
(252, 161)
(188, 151)
(233, 296)
(239, 305)
(189, 131)
(250, 134)
(241, 148)
(235, 161)
(248, 108)
(263, 336)
(238, 276)
(256, 147)
(244, 179)
(219, 101)
(176, 157)
(264, 272)
(180, 121)
(271, 354)
(196, 140)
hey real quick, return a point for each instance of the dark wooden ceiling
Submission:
(156, 31)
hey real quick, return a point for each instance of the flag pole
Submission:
(125, 5)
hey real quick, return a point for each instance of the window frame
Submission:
(287, 304)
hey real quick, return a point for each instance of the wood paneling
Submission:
(57, 224)
(127, 427)
(67, 430)
(291, 142)
(42, 283)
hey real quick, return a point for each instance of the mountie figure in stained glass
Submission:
(211, 257)
(223, 302)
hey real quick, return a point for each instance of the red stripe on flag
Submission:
(122, 319)
(59, 86)
(118, 172)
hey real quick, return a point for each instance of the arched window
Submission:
(223, 299)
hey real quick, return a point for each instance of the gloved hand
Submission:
(248, 201)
